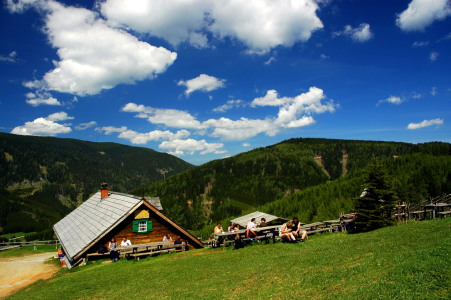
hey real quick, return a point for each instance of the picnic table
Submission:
(149, 249)
(436, 208)
(263, 233)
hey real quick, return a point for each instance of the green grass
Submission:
(16, 234)
(408, 261)
(27, 250)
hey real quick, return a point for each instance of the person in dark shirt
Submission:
(296, 230)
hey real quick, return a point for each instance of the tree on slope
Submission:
(375, 206)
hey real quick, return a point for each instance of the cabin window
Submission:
(142, 226)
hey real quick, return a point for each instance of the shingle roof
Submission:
(155, 202)
(242, 221)
(91, 219)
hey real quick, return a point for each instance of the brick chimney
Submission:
(103, 190)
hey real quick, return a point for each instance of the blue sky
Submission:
(204, 80)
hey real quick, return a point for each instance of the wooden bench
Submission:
(160, 249)
(443, 214)
(96, 255)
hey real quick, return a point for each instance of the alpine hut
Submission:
(110, 214)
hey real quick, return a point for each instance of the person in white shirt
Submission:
(251, 225)
(125, 242)
(167, 238)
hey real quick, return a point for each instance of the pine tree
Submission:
(375, 206)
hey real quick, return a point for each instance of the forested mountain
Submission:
(312, 178)
(44, 178)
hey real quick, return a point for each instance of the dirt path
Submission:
(18, 272)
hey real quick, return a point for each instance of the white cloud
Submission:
(19, 6)
(270, 60)
(246, 145)
(360, 34)
(434, 91)
(229, 105)
(293, 112)
(446, 37)
(420, 44)
(44, 126)
(189, 146)
(422, 13)
(392, 100)
(425, 123)
(241, 129)
(41, 98)
(169, 117)
(12, 57)
(156, 135)
(59, 116)
(132, 107)
(433, 56)
(95, 56)
(203, 83)
(258, 24)
(323, 56)
(110, 129)
(84, 126)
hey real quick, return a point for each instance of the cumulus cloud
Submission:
(246, 145)
(422, 13)
(59, 116)
(361, 34)
(229, 105)
(12, 57)
(293, 112)
(169, 117)
(19, 6)
(189, 146)
(84, 126)
(203, 83)
(258, 24)
(43, 101)
(107, 130)
(392, 100)
(241, 129)
(44, 126)
(433, 56)
(425, 123)
(93, 55)
(156, 135)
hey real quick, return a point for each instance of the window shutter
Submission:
(135, 226)
(149, 226)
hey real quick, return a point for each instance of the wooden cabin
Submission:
(110, 214)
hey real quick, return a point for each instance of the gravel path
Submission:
(18, 272)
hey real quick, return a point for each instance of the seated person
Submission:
(167, 238)
(262, 223)
(114, 255)
(125, 242)
(212, 241)
(287, 234)
(297, 229)
(218, 229)
(250, 233)
(178, 242)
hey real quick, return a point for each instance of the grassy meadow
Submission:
(407, 261)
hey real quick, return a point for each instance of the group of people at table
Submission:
(114, 253)
(289, 232)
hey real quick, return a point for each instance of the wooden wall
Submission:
(160, 228)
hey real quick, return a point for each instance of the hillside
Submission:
(51, 176)
(383, 264)
(315, 179)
